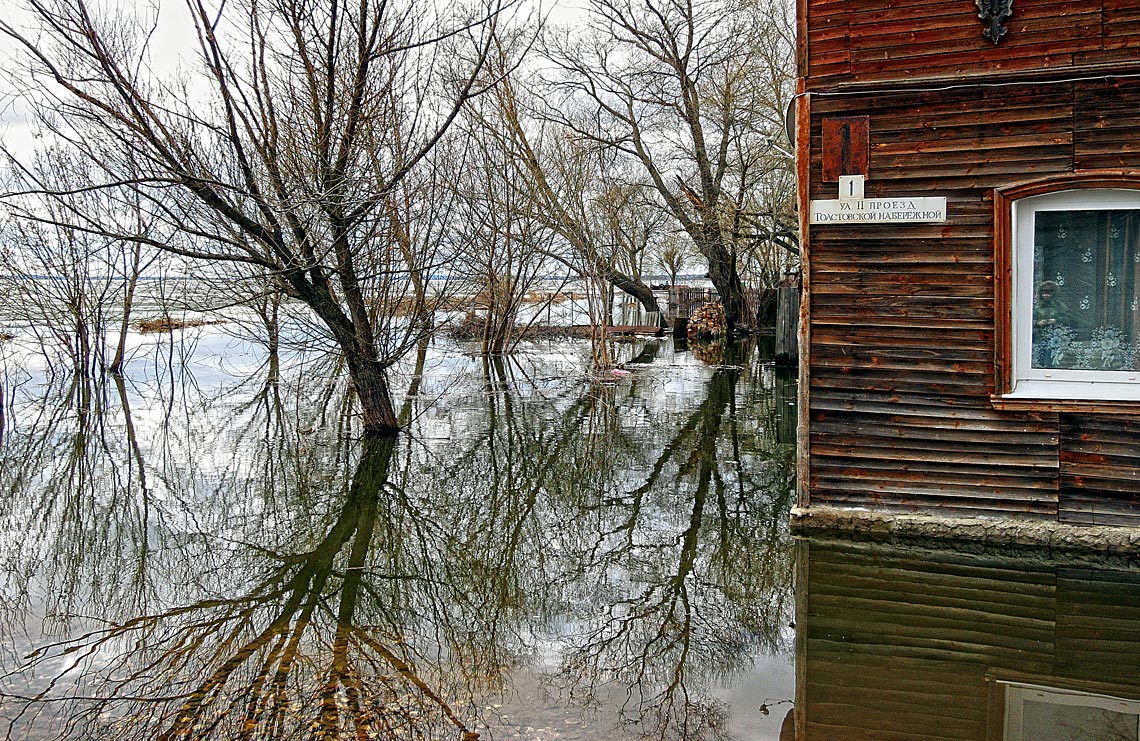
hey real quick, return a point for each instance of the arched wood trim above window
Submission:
(1120, 179)
(1004, 259)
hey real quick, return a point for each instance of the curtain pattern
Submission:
(1086, 303)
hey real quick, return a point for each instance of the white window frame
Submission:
(1048, 383)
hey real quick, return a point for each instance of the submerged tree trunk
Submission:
(269, 310)
(280, 172)
(370, 379)
(128, 302)
(353, 333)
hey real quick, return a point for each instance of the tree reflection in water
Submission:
(245, 569)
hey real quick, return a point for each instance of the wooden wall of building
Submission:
(901, 353)
(861, 41)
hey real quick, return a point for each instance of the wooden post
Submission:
(787, 325)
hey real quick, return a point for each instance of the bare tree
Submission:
(671, 86)
(505, 241)
(75, 287)
(280, 153)
(630, 223)
(673, 257)
(566, 184)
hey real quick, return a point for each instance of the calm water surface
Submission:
(198, 552)
(208, 551)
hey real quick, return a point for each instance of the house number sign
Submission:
(852, 208)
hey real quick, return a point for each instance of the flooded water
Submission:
(908, 642)
(198, 553)
(207, 551)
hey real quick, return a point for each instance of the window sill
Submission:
(1031, 403)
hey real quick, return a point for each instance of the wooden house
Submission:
(970, 208)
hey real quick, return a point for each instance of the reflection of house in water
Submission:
(974, 301)
(915, 644)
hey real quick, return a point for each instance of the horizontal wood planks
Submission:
(1100, 470)
(1104, 117)
(1098, 625)
(879, 40)
(902, 325)
(903, 644)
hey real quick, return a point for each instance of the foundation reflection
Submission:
(903, 642)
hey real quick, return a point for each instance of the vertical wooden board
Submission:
(1003, 283)
(802, 586)
(804, 156)
(802, 46)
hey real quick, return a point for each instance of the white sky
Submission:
(173, 40)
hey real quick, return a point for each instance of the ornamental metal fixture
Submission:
(993, 13)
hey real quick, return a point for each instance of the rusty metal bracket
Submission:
(993, 13)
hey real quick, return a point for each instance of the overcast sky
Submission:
(173, 38)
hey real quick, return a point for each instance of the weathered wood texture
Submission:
(846, 147)
(1098, 625)
(876, 40)
(787, 325)
(899, 645)
(902, 325)
(1100, 470)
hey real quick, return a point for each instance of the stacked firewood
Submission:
(707, 322)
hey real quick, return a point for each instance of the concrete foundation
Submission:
(1002, 532)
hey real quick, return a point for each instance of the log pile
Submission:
(707, 323)
(707, 332)
(709, 352)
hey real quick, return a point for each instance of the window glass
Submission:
(1086, 296)
(1045, 721)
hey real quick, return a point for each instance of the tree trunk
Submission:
(128, 301)
(726, 280)
(634, 287)
(371, 381)
(369, 376)
(417, 378)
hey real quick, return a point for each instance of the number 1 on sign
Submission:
(851, 187)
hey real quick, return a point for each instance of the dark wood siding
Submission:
(874, 40)
(902, 335)
(1100, 470)
(1105, 129)
(1098, 625)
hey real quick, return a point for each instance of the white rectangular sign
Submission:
(900, 210)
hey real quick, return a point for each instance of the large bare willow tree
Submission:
(275, 150)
